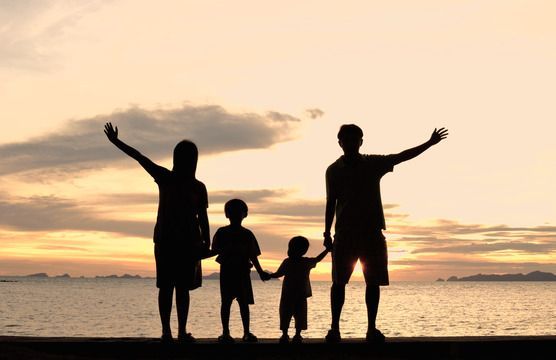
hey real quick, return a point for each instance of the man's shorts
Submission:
(369, 248)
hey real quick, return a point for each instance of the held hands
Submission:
(111, 132)
(265, 276)
(438, 135)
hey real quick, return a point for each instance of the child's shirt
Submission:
(235, 247)
(296, 276)
(180, 201)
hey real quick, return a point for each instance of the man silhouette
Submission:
(353, 195)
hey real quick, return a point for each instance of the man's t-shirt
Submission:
(235, 247)
(180, 201)
(296, 277)
(356, 187)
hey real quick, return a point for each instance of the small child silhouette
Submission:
(296, 287)
(237, 251)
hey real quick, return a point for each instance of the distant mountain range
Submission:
(67, 276)
(532, 276)
(212, 276)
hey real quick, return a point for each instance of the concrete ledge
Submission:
(524, 347)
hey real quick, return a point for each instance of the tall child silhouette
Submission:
(296, 287)
(353, 195)
(237, 250)
(181, 233)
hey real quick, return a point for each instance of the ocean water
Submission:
(128, 308)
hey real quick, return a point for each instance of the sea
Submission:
(92, 307)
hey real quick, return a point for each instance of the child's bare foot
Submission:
(297, 339)
(226, 339)
(284, 339)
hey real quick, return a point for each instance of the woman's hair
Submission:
(298, 246)
(185, 158)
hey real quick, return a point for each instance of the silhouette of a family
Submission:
(182, 239)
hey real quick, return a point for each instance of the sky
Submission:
(262, 88)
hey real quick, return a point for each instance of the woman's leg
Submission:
(182, 305)
(165, 308)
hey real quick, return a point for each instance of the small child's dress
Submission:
(296, 288)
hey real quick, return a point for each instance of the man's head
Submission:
(350, 138)
(298, 246)
(236, 210)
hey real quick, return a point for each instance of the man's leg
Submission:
(337, 298)
(165, 308)
(372, 298)
(182, 305)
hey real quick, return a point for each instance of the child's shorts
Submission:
(236, 284)
(297, 309)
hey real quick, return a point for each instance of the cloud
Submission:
(50, 213)
(473, 247)
(82, 144)
(60, 247)
(314, 113)
(31, 31)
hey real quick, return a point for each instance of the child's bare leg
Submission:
(244, 311)
(182, 305)
(165, 308)
(225, 315)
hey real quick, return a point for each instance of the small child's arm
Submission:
(112, 135)
(280, 272)
(321, 256)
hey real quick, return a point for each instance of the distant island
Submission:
(532, 276)
(67, 276)
(211, 276)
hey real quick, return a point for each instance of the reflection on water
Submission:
(127, 308)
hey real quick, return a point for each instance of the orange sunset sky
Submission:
(262, 88)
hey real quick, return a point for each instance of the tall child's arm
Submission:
(263, 274)
(112, 135)
(436, 137)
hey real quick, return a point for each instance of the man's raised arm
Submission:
(436, 137)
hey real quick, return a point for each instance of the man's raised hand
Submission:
(111, 132)
(438, 135)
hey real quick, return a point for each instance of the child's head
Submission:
(350, 138)
(185, 158)
(298, 246)
(236, 210)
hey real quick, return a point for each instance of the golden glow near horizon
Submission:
(482, 201)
